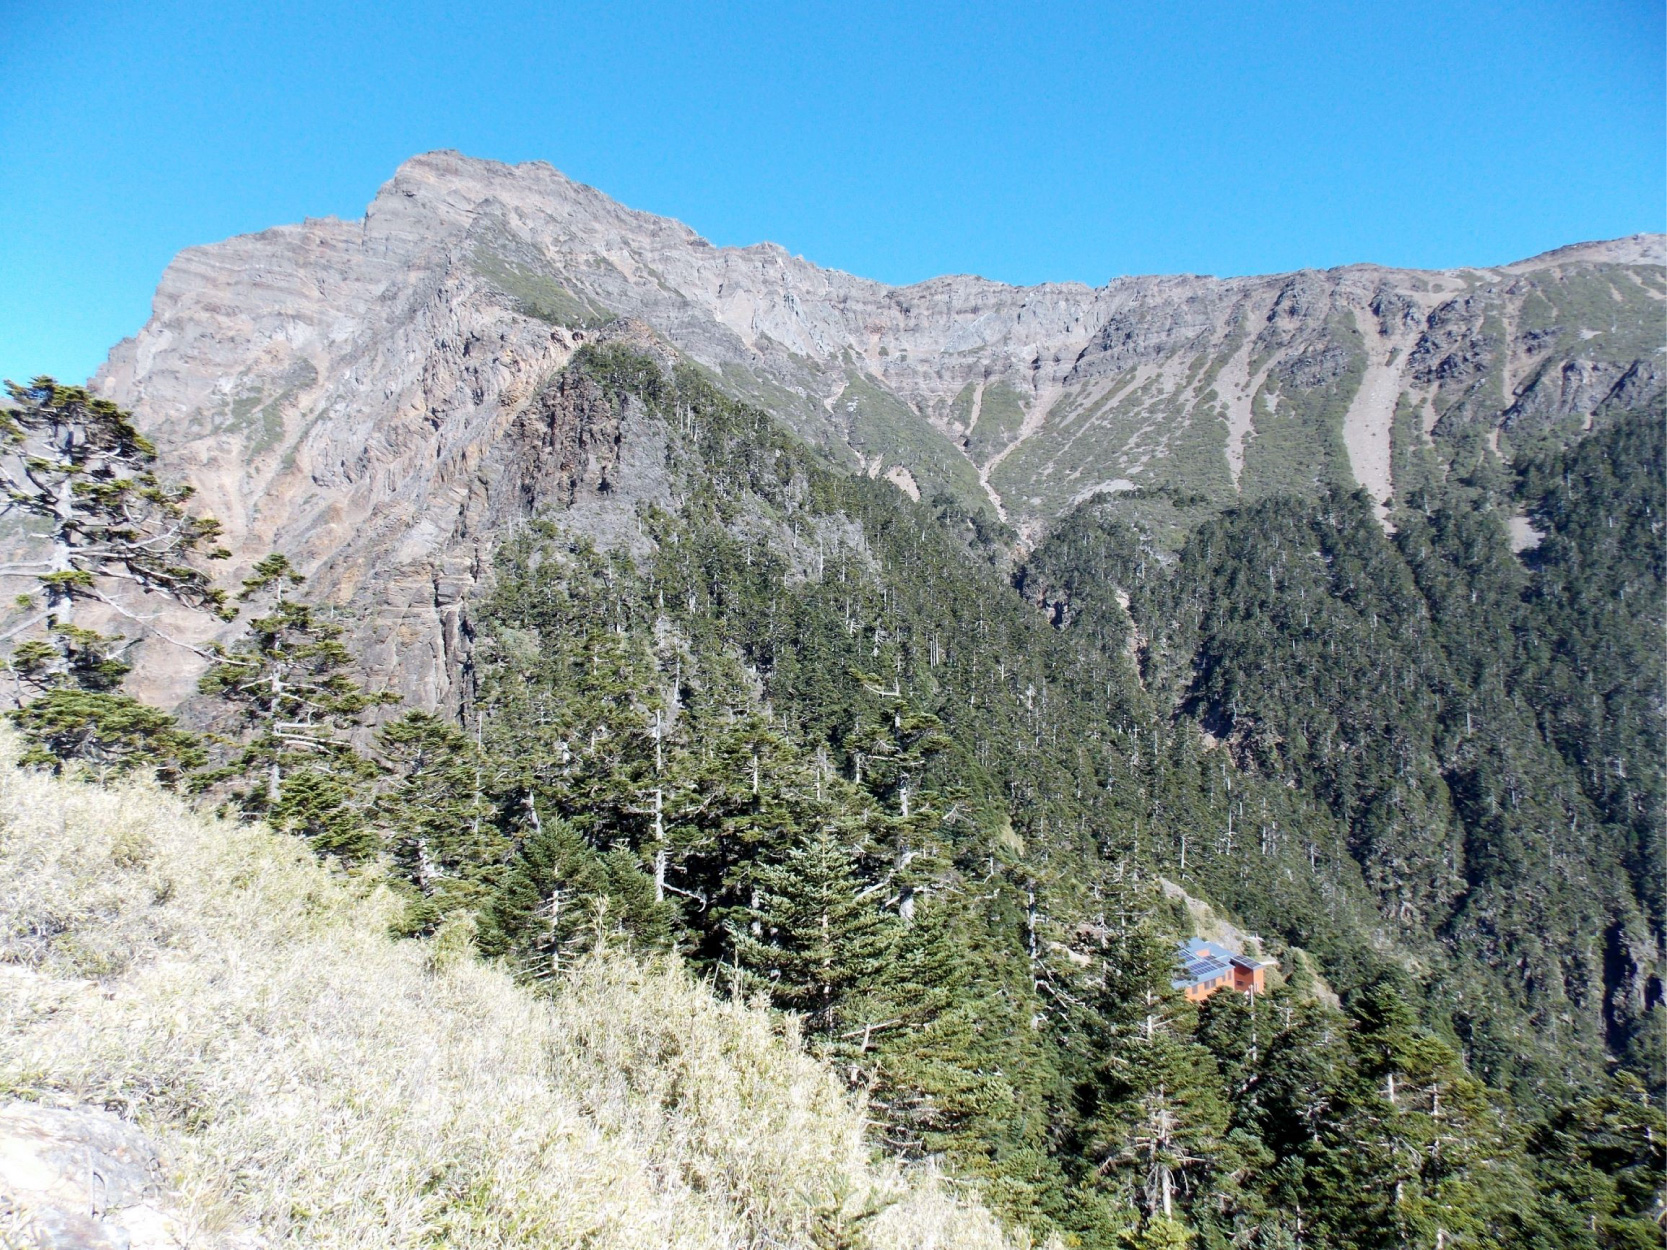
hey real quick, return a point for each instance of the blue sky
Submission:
(1025, 142)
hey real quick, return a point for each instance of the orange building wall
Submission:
(1242, 980)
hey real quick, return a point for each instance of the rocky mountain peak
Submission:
(357, 394)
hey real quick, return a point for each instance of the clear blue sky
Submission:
(1025, 142)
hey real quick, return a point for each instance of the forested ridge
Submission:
(843, 754)
(1488, 729)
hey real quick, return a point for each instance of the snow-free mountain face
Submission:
(374, 397)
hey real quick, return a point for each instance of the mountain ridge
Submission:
(339, 390)
(1181, 580)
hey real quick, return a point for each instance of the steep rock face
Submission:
(375, 398)
(374, 421)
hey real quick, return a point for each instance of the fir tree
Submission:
(435, 817)
(815, 934)
(69, 656)
(692, 728)
(110, 733)
(559, 897)
(78, 463)
(1162, 1112)
(78, 467)
(293, 708)
(1602, 1163)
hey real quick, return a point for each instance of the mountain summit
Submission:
(358, 394)
(938, 662)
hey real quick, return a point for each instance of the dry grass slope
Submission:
(313, 1082)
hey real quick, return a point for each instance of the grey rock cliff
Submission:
(378, 398)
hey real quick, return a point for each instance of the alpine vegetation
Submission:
(312, 1081)
(1173, 765)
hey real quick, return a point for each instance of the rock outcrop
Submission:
(378, 398)
(81, 1178)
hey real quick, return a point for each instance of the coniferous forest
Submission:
(953, 804)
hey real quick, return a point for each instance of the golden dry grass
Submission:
(318, 1083)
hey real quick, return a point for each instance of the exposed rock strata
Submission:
(376, 398)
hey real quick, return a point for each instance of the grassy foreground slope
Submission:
(310, 1077)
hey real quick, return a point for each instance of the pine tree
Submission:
(293, 708)
(77, 466)
(78, 463)
(815, 934)
(435, 818)
(1162, 1111)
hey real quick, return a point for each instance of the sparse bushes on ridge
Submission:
(309, 1075)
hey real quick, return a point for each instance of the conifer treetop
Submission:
(78, 463)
